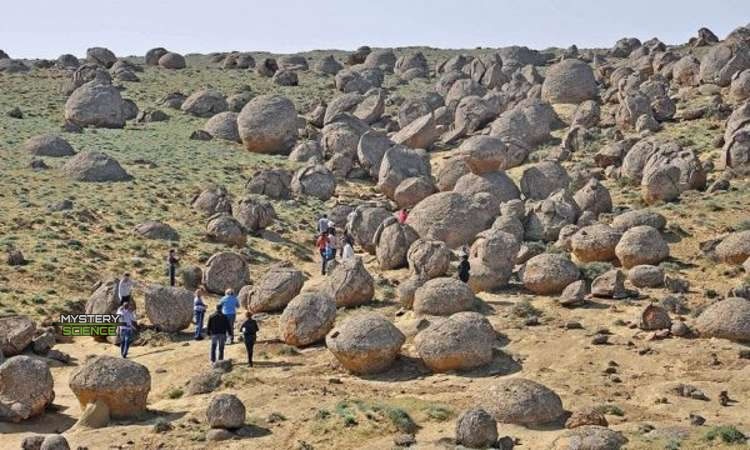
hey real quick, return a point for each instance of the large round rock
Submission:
(735, 248)
(476, 428)
(307, 319)
(205, 103)
(443, 296)
(120, 383)
(428, 257)
(437, 216)
(366, 343)
(461, 341)
(225, 411)
(727, 319)
(595, 243)
(168, 308)
(549, 274)
(95, 104)
(16, 333)
(523, 402)
(315, 180)
(275, 289)
(641, 245)
(223, 126)
(48, 145)
(92, 166)
(255, 213)
(268, 124)
(350, 284)
(225, 270)
(26, 388)
(392, 241)
(569, 81)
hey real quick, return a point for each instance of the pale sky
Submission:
(48, 28)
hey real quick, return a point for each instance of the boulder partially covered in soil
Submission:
(93, 166)
(16, 333)
(26, 388)
(654, 317)
(350, 284)
(275, 289)
(726, 319)
(443, 296)
(315, 180)
(120, 383)
(225, 270)
(461, 341)
(169, 309)
(631, 219)
(646, 276)
(475, 428)
(48, 145)
(522, 402)
(549, 274)
(641, 245)
(268, 124)
(156, 230)
(365, 343)
(307, 319)
(225, 411)
(95, 104)
(590, 437)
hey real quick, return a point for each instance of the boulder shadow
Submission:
(405, 368)
(53, 420)
(502, 364)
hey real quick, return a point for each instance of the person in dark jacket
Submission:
(464, 268)
(218, 327)
(249, 330)
(172, 261)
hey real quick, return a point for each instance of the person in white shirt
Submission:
(348, 251)
(125, 289)
(127, 317)
(324, 224)
(199, 308)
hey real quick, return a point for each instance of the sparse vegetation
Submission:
(728, 434)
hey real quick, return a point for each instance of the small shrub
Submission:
(401, 420)
(174, 393)
(742, 226)
(322, 414)
(593, 269)
(612, 410)
(288, 350)
(439, 413)
(727, 434)
(525, 309)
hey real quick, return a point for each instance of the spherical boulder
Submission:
(400, 163)
(268, 124)
(168, 308)
(212, 200)
(436, 217)
(48, 145)
(549, 274)
(350, 284)
(735, 248)
(224, 228)
(392, 241)
(726, 319)
(641, 245)
(476, 428)
(307, 319)
(255, 213)
(205, 103)
(172, 60)
(26, 388)
(540, 180)
(595, 243)
(275, 289)
(153, 56)
(315, 180)
(120, 383)
(223, 126)
(459, 342)
(594, 197)
(96, 167)
(364, 222)
(522, 402)
(225, 270)
(366, 343)
(484, 153)
(428, 257)
(225, 411)
(95, 104)
(569, 81)
(443, 296)
(16, 333)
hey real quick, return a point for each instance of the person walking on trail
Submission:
(218, 326)
(347, 252)
(322, 245)
(125, 289)
(333, 241)
(172, 261)
(199, 309)
(249, 331)
(403, 215)
(464, 268)
(324, 224)
(126, 330)
(229, 305)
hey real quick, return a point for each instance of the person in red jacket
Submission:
(322, 244)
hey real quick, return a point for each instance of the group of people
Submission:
(329, 243)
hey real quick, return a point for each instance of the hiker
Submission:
(125, 331)
(403, 215)
(249, 331)
(229, 304)
(125, 289)
(199, 310)
(324, 224)
(464, 268)
(347, 252)
(322, 244)
(333, 241)
(172, 261)
(217, 328)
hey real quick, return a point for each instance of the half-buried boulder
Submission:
(156, 230)
(366, 343)
(92, 166)
(120, 383)
(16, 333)
(26, 388)
(549, 274)
(726, 319)
(590, 437)
(255, 213)
(168, 308)
(95, 104)
(461, 341)
(225, 411)
(523, 402)
(273, 183)
(212, 200)
(475, 428)
(48, 145)
(307, 319)
(443, 296)
(172, 60)
(268, 124)
(350, 284)
(275, 289)
(735, 248)
(226, 229)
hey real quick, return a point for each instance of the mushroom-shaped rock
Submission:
(48, 145)
(205, 103)
(641, 245)
(569, 81)
(595, 243)
(366, 343)
(92, 166)
(168, 308)
(462, 341)
(223, 126)
(156, 230)
(594, 197)
(350, 284)
(540, 180)
(436, 217)
(16, 333)
(315, 180)
(95, 104)
(225, 270)
(123, 385)
(392, 241)
(443, 296)
(26, 388)
(476, 428)
(523, 402)
(212, 200)
(225, 229)
(726, 319)
(735, 248)
(268, 124)
(307, 319)
(428, 257)
(549, 274)
(255, 213)
(590, 437)
(275, 289)
(225, 411)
